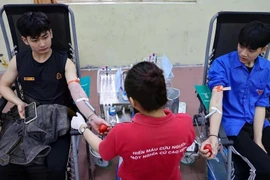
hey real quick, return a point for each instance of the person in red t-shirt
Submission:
(153, 144)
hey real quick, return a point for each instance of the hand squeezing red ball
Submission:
(209, 147)
(102, 128)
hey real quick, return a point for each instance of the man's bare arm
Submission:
(7, 80)
(78, 93)
(259, 119)
(75, 88)
(215, 119)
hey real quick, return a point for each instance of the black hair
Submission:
(33, 24)
(145, 83)
(254, 35)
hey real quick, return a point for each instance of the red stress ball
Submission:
(102, 128)
(209, 147)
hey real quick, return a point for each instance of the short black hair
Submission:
(33, 24)
(254, 35)
(145, 83)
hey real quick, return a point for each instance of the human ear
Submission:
(24, 39)
(131, 101)
(51, 33)
(264, 49)
(134, 103)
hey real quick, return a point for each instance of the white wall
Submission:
(120, 34)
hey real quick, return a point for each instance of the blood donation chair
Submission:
(223, 33)
(64, 40)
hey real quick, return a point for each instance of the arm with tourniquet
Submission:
(80, 97)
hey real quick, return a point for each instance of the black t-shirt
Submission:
(44, 82)
(249, 69)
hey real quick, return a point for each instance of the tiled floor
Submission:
(184, 79)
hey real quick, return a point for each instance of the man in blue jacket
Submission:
(241, 110)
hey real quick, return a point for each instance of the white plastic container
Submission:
(97, 158)
(173, 95)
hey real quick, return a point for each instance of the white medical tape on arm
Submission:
(82, 99)
(217, 110)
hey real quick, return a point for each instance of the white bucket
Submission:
(173, 99)
(97, 158)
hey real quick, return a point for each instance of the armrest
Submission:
(267, 113)
(204, 96)
(3, 103)
(74, 132)
(223, 137)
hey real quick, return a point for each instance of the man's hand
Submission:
(213, 141)
(96, 121)
(21, 106)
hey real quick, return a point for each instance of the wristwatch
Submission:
(83, 129)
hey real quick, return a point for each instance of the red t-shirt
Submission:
(151, 147)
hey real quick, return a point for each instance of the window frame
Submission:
(125, 1)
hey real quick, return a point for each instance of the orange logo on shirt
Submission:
(259, 91)
(58, 76)
(29, 78)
